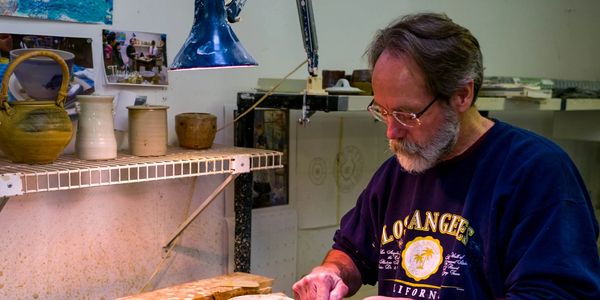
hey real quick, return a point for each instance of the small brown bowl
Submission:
(195, 130)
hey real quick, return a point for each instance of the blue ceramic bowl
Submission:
(41, 76)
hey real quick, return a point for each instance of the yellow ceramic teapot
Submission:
(34, 132)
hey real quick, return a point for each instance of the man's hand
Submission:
(321, 284)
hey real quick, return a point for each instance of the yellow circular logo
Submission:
(422, 257)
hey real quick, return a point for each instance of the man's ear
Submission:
(463, 97)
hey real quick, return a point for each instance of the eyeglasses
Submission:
(405, 118)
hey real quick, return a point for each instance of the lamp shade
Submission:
(211, 43)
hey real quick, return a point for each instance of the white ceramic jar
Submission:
(95, 138)
(148, 130)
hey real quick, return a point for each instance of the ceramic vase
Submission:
(148, 130)
(95, 131)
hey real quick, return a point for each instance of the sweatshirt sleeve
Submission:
(549, 242)
(356, 238)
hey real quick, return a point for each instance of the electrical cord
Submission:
(270, 92)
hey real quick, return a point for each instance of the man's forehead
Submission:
(392, 68)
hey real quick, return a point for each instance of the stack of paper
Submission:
(516, 87)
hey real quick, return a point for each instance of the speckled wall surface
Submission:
(105, 242)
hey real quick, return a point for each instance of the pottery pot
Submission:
(95, 131)
(331, 77)
(362, 79)
(34, 132)
(148, 130)
(195, 130)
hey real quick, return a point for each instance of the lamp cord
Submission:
(270, 92)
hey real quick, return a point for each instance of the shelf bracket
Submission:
(11, 185)
(240, 164)
(197, 212)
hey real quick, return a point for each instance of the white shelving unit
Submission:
(359, 103)
(582, 104)
(69, 172)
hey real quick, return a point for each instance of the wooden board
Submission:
(215, 288)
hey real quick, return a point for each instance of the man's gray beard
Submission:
(415, 158)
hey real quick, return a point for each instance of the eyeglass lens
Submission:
(404, 118)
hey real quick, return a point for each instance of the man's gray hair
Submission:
(447, 53)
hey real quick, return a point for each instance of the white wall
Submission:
(106, 242)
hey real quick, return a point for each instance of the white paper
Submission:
(363, 147)
(317, 147)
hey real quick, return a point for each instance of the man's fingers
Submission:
(300, 289)
(322, 290)
(320, 286)
(340, 289)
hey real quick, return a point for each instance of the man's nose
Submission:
(395, 130)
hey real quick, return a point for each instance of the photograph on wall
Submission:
(135, 58)
(40, 77)
(89, 11)
(270, 187)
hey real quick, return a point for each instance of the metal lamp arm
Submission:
(309, 34)
(307, 27)
(233, 9)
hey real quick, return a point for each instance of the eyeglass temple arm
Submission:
(426, 108)
(371, 103)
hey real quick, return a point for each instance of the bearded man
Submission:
(468, 207)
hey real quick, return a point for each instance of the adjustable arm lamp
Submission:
(213, 44)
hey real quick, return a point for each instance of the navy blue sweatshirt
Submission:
(509, 218)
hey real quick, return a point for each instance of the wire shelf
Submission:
(69, 172)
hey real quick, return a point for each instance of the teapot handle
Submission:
(62, 92)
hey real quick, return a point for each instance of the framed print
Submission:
(79, 51)
(270, 187)
(135, 58)
(90, 11)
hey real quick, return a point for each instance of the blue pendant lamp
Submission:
(211, 43)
